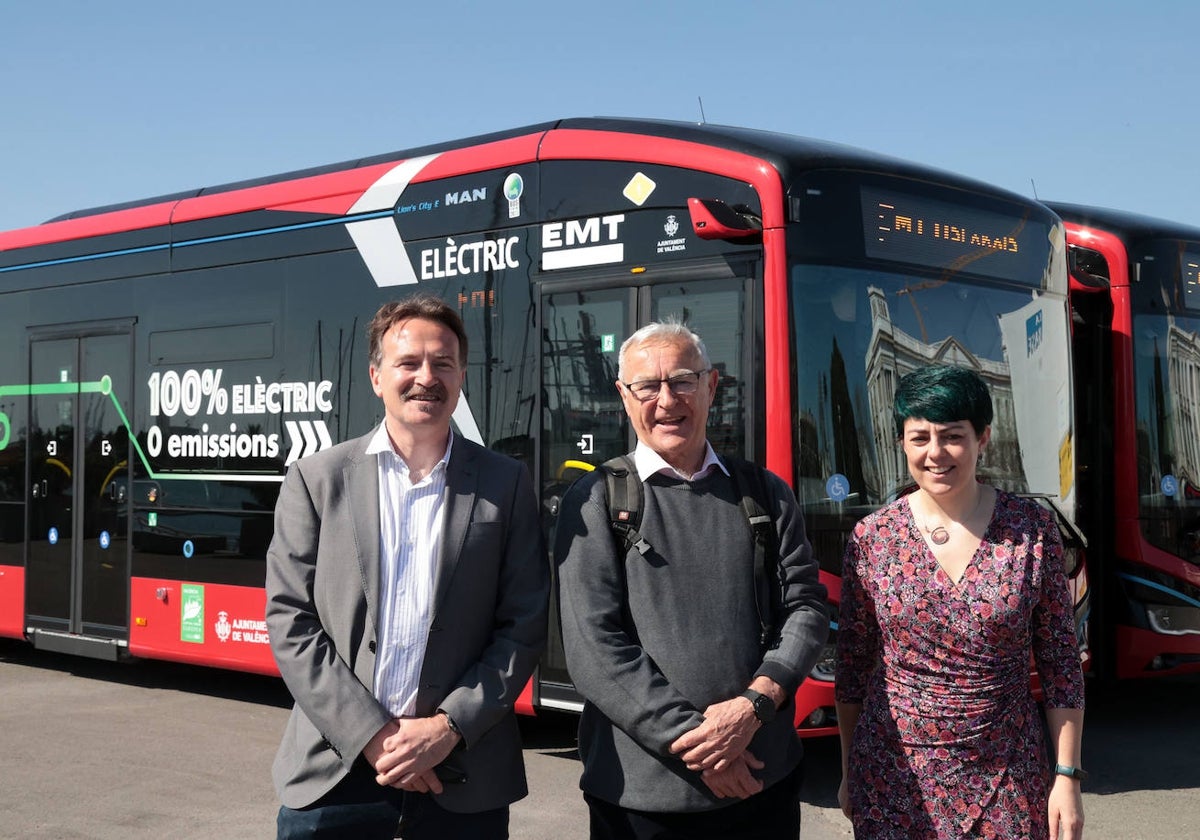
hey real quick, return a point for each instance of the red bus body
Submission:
(177, 354)
(1135, 328)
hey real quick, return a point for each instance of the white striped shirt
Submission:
(410, 541)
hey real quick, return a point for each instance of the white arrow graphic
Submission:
(323, 434)
(308, 436)
(378, 241)
(297, 440)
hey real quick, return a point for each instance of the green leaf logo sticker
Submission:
(191, 619)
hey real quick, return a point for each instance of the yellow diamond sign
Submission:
(638, 189)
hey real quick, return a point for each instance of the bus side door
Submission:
(77, 580)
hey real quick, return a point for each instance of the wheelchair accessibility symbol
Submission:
(837, 487)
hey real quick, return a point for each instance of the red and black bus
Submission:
(177, 354)
(1135, 298)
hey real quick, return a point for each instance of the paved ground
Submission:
(152, 750)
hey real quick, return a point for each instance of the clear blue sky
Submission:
(1092, 102)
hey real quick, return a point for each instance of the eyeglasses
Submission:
(681, 385)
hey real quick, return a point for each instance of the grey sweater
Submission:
(652, 640)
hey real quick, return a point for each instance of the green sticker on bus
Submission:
(191, 620)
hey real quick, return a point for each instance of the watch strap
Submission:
(764, 706)
(453, 728)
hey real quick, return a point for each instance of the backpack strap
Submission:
(623, 490)
(749, 484)
(624, 494)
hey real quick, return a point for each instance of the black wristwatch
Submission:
(453, 728)
(764, 706)
(1071, 772)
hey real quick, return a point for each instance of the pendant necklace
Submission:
(939, 535)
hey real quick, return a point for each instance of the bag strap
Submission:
(749, 485)
(623, 490)
(624, 494)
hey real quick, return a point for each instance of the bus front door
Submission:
(583, 421)
(583, 324)
(77, 578)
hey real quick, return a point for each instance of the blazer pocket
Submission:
(485, 529)
(483, 546)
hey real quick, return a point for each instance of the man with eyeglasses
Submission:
(687, 725)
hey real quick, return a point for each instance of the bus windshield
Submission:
(859, 325)
(1166, 352)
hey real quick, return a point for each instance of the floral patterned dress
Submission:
(950, 742)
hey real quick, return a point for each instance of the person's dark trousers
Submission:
(359, 808)
(773, 814)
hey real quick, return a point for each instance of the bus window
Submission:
(716, 311)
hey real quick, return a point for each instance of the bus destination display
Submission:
(941, 235)
(1189, 271)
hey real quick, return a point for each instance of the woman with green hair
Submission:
(948, 594)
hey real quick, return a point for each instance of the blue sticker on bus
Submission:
(188, 548)
(1033, 333)
(1169, 485)
(837, 487)
(53, 536)
(105, 539)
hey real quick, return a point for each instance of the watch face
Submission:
(764, 707)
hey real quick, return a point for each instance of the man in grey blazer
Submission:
(407, 587)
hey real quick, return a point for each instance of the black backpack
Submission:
(623, 491)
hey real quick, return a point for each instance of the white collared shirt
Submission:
(410, 542)
(649, 462)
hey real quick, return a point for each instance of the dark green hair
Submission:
(943, 394)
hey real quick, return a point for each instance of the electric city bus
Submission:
(1135, 296)
(175, 355)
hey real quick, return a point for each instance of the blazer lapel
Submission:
(461, 481)
(362, 490)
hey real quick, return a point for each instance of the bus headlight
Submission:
(1173, 620)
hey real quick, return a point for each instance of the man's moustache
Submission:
(439, 393)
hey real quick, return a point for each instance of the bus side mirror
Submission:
(1088, 268)
(714, 219)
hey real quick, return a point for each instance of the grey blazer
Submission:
(487, 632)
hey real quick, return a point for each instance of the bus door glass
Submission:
(716, 311)
(583, 419)
(78, 573)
